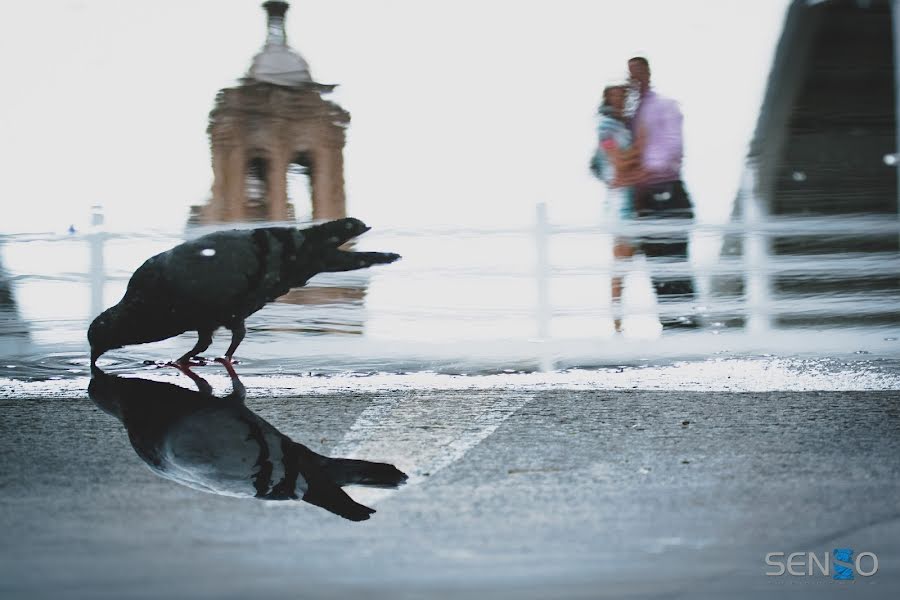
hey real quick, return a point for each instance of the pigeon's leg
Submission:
(237, 388)
(202, 344)
(202, 384)
(238, 331)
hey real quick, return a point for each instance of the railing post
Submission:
(757, 284)
(542, 278)
(96, 240)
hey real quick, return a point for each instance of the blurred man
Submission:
(659, 191)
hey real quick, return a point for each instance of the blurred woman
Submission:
(616, 162)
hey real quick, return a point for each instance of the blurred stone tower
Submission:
(275, 127)
(826, 144)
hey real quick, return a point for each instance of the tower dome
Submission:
(277, 62)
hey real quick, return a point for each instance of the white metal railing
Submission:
(756, 267)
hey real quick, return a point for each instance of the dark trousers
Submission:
(666, 201)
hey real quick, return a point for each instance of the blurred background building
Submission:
(277, 154)
(276, 142)
(823, 162)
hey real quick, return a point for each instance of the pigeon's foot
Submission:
(238, 391)
(161, 364)
(183, 366)
(226, 358)
(194, 361)
(228, 363)
(201, 383)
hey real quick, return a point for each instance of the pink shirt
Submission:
(660, 119)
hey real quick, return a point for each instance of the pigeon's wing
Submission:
(215, 273)
(147, 281)
(225, 451)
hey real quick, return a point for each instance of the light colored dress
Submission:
(619, 200)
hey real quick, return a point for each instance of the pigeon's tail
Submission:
(324, 493)
(348, 471)
(326, 239)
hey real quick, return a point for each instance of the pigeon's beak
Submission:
(96, 372)
(348, 236)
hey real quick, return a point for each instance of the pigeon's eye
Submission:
(208, 252)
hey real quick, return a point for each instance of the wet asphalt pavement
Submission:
(513, 494)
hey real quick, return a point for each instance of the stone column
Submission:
(276, 186)
(328, 183)
(215, 210)
(235, 185)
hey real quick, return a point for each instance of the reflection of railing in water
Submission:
(754, 303)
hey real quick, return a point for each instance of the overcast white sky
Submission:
(463, 111)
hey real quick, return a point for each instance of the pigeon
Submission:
(220, 279)
(218, 445)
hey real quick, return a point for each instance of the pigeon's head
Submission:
(102, 390)
(336, 233)
(103, 334)
(353, 227)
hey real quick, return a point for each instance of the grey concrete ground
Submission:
(513, 494)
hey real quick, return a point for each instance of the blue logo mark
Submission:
(845, 571)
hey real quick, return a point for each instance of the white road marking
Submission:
(423, 433)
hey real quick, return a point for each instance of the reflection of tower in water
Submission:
(277, 155)
(271, 130)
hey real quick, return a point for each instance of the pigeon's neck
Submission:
(113, 328)
(102, 391)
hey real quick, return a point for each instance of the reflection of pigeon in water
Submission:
(220, 279)
(219, 445)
